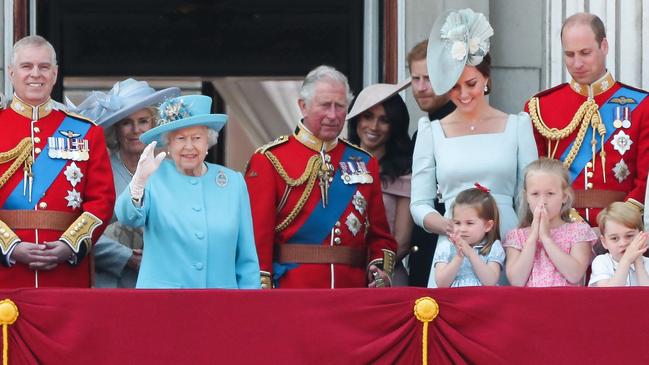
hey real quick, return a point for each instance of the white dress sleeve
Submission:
(424, 178)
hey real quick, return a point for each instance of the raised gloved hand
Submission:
(146, 166)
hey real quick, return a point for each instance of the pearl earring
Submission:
(486, 89)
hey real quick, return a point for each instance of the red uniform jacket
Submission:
(267, 189)
(558, 105)
(90, 193)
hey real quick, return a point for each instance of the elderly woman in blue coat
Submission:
(196, 215)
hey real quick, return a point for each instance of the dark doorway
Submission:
(203, 38)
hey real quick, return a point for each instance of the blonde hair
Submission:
(549, 166)
(487, 209)
(623, 213)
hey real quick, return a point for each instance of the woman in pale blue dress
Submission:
(476, 142)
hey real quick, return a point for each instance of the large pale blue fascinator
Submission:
(125, 98)
(458, 38)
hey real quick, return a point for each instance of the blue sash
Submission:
(606, 111)
(319, 223)
(44, 169)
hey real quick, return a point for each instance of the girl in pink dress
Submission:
(548, 248)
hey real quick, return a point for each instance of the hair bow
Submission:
(482, 188)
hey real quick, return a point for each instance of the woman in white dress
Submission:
(476, 142)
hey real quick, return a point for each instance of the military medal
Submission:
(626, 122)
(621, 142)
(69, 148)
(353, 224)
(345, 175)
(73, 174)
(617, 123)
(621, 171)
(359, 202)
(221, 179)
(74, 199)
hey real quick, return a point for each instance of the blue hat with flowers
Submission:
(458, 38)
(183, 112)
(125, 98)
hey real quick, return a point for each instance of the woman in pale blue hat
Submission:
(475, 143)
(125, 112)
(196, 215)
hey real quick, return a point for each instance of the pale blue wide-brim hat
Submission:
(458, 38)
(183, 112)
(125, 98)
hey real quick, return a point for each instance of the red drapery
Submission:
(347, 326)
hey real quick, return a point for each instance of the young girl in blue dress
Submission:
(473, 256)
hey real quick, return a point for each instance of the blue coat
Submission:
(197, 230)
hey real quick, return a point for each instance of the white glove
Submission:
(146, 166)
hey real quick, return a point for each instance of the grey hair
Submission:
(212, 137)
(323, 73)
(33, 41)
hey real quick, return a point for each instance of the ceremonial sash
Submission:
(44, 169)
(606, 111)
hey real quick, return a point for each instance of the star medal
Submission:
(74, 199)
(617, 123)
(73, 174)
(621, 171)
(353, 224)
(621, 142)
(359, 202)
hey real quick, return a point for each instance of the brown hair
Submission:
(592, 20)
(623, 213)
(417, 53)
(487, 209)
(485, 69)
(546, 165)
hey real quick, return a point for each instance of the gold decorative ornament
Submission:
(587, 115)
(426, 310)
(19, 154)
(309, 176)
(81, 230)
(8, 316)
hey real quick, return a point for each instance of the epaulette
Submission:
(280, 140)
(634, 88)
(550, 90)
(78, 116)
(355, 146)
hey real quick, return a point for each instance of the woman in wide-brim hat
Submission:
(474, 143)
(125, 112)
(196, 215)
(378, 122)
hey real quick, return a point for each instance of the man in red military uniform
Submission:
(598, 126)
(316, 199)
(56, 185)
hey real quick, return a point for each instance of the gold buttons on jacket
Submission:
(37, 130)
(42, 205)
(589, 185)
(37, 140)
(37, 150)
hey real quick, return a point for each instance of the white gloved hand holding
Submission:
(146, 166)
